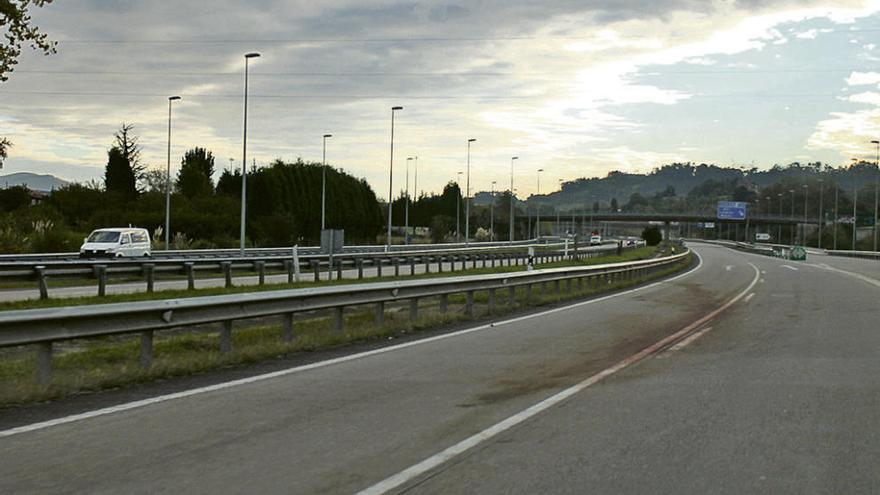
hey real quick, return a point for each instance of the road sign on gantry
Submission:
(731, 210)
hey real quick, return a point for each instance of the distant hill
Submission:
(35, 182)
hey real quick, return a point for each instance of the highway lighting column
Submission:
(510, 235)
(324, 180)
(821, 213)
(406, 205)
(558, 230)
(804, 228)
(834, 222)
(391, 179)
(247, 58)
(168, 180)
(538, 208)
(467, 197)
(876, 183)
(855, 202)
(492, 214)
(791, 230)
(458, 206)
(779, 225)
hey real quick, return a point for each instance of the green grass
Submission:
(635, 254)
(112, 362)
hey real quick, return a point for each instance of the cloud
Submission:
(863, 78)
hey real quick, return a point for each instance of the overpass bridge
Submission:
(669, 217)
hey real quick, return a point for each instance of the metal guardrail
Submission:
(42, 327)
(873, 255)
(148, 269)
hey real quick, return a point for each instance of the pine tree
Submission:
(119, 178)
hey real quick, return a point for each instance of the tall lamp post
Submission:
(467, 196)
(168, 180)
(416, 178)
(510, 236)
(324, 180)
(558, 230)
(391, 179)
(492, 214)
(855, 203)
(458, 207)
(779, 225)
(406, 205)
(538, 208)
(247, 58)
(876, 183)
(821, 213)
(792, 229)
(834, 223)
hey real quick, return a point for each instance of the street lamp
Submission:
(391, 179)
(416, 179)
(458, 206)
(779, 225)
(467, 196)
(406, 205)
(538, 208)
(168, 180)
(791, 229)
(247, 58)
(821, 212)
(804, 228)
(557, 210)
(512, 159)
(876, 183)
(324, 180)
(492, 214)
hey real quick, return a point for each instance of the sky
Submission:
(576, 88)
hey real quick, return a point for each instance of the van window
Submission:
(138, 237)
(126, 239)
(104, 236)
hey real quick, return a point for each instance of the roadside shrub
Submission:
(652, 235)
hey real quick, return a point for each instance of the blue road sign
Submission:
(731, 210)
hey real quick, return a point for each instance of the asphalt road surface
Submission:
(764, 381)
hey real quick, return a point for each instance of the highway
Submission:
(748, 374)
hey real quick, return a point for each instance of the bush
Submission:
(652, 235)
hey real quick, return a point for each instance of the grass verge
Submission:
(112, 362)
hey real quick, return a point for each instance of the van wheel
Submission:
(119, 255)
(146, 255)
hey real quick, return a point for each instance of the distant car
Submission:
(116, 243)
(629, 242)
(595, 240)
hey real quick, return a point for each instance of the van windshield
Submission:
(104, 236)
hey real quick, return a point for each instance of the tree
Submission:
(5, 144)
(127, 143)
(15, 18)
(119, 177)
(153, 180)
(652, 235)
(194, 177)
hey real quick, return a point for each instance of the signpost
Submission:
(798, 253)
(731, 210)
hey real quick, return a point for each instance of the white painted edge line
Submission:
(789, 267)
(749, 297)
(320, 364)
(442, 457)
(687, 340)
(863, 278)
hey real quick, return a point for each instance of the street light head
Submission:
(173, 98)
(515, 158)
(396, 108)
(328, 135)
(251, 55)
(471, 140)
(540, 170)
(875, 142)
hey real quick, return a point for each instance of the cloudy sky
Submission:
(578, 88)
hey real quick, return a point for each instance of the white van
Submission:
(117, 243)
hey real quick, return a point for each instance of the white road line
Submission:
(789, 267)
(859, 276)
(728, 268)
(289, 371)
(690, 338)
(749, 297)
(442, 457)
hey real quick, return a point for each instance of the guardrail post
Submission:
(150, 275)
(483, 256)
(414, 309)
(146, 357)
(288, 266)
(396, 267)
(377, 262)
(427, 260)
(101, 275)
(260, 265)
(226, 337)
(444, 303)
(226, 266)
(338, 318)
(491, 300)
(339, 269)
(469, 303)
(44, 363)
(412, 265)
(188, 268)
(452, 260)
(40, 271)
(316, 267)
(473, 258)
(379, 314)
(287, 327)
(359, 262)
(440, 263)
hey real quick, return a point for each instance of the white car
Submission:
(117, 243)
(595, 240)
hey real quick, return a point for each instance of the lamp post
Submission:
(779, 225)
(855, 202)
(538, 208)
(492, 214)
(406, 205)
(834, 223)
(467, 196)
(804, 228)
(510, 237)
(247, 58)
(821, 213)
(324, 180)
(416, 178)
(876, 183)
(391, 179)
(558, 230)
(168, 180)
(458, 206)
(791, 217)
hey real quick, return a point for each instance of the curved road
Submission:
(768, 384)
